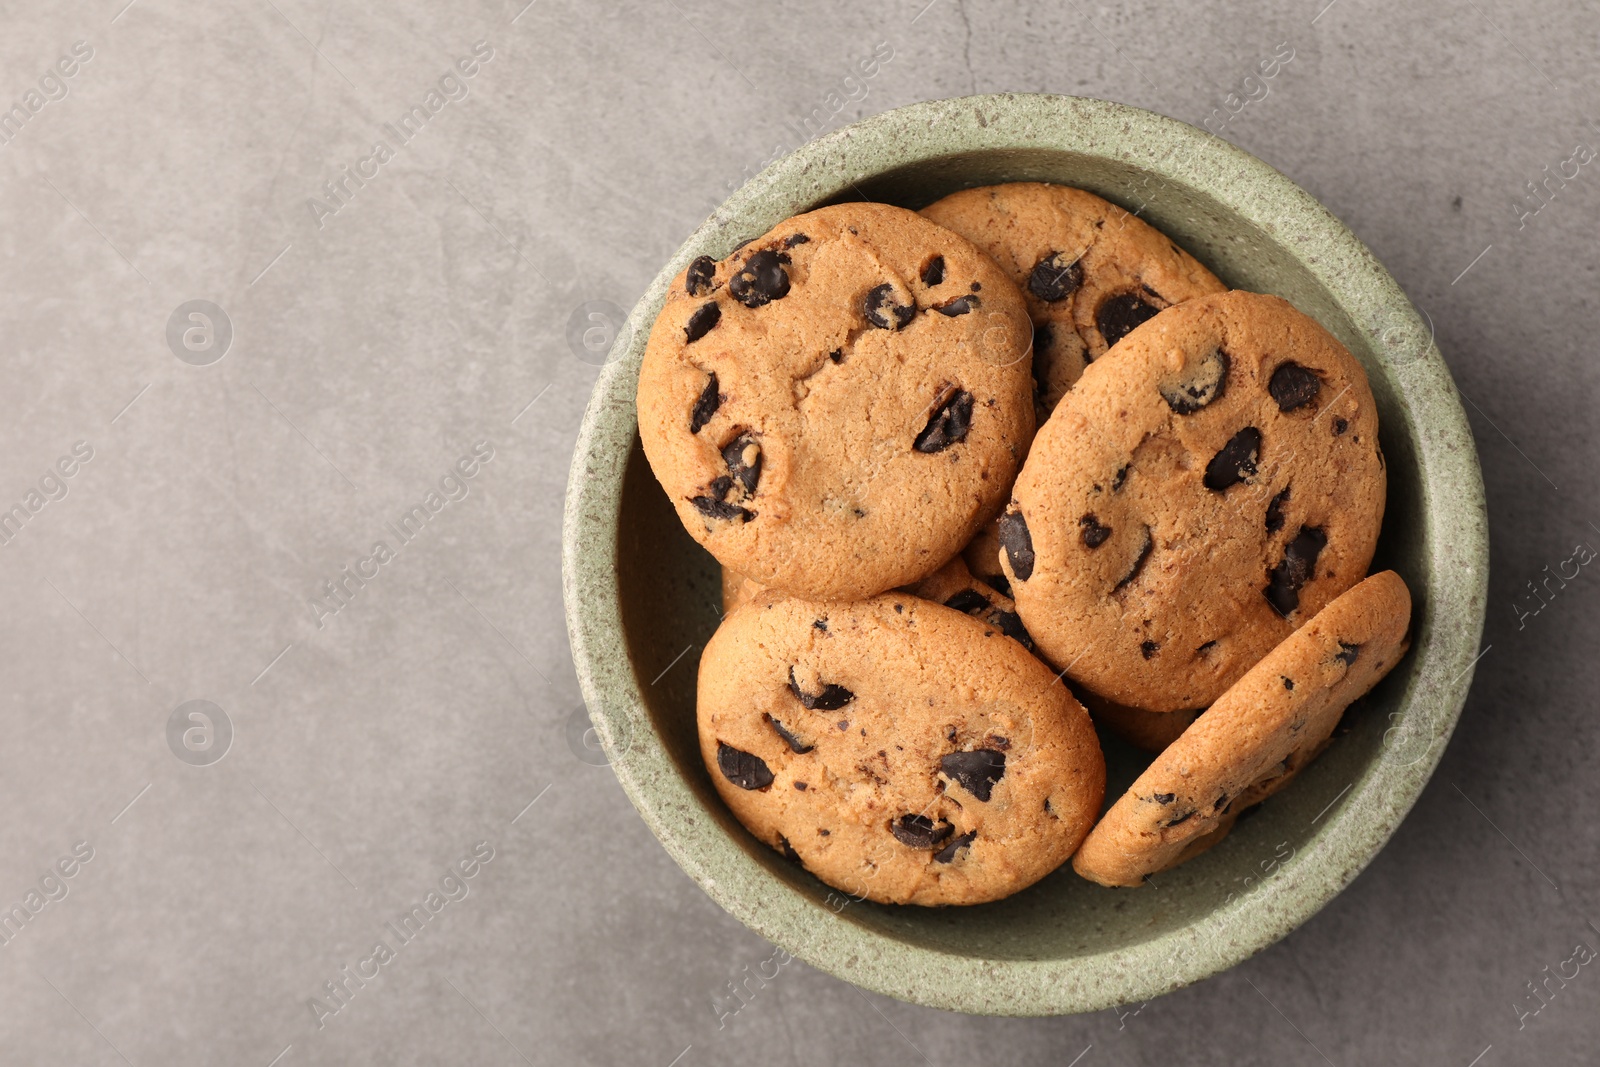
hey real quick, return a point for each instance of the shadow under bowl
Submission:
(642, 598)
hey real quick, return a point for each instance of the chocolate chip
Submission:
(1348, 653)
(1180, 820)
(743, 457)
(1235, 462)
(1275, 511)
(1148, 649)
(796, 746)
(1017, 544)
(831, 698)
(1192, 389)
(1293, 386)
(698, 279)
(821, 624)
(1299, 561)
(1339, 427)
(700, 323)
(1055, 277)
(1010, 624)
(714, 508)
(881, 310)
(1221, 802)
(803, 786)
(706, 406)
(1094, 535)
(1165, 798)
(959, 306)
(1288, 682)
(1119, 315)
(1138, 564)
(1203, 649)
(976, 771)
(742, 769)
(761, 280)
(837, 355)
(968, 601)
(1122, 476)
(948, 853)
(919, 831)
(795, 239)
(948, 424)
(933, 271)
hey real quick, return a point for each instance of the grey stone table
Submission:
(289, 403)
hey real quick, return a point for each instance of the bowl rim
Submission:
(1456, 543)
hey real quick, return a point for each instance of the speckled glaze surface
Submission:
(642, 598)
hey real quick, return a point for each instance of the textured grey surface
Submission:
(374, 351)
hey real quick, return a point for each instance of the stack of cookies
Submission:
(968, 467)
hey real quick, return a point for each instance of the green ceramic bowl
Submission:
(642, 598)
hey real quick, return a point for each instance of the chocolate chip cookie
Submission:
(1256, 737)
(982, 557)
(954, 586)
(1208, 485)
(835, 408)
(737, 590)
(899, 750)
(1090, 271)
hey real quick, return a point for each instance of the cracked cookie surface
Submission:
(838, 406)
(1208, 485)
(899, 750)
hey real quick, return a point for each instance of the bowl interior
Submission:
(668, 595)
